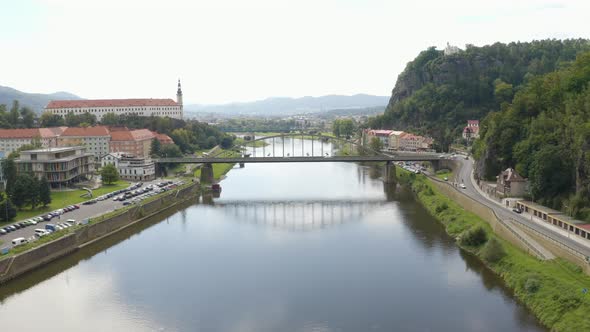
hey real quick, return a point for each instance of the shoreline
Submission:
(552, 290)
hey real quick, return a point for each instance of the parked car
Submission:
(39, 232)
(517, 210)
(47, 217)
(462, 185)
(18, 241)
(50, 227)
(3, 231)
(17, 226)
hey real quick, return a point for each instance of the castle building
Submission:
(100, 107)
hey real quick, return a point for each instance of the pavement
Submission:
(465, 176)
(85, 211)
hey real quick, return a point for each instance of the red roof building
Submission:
(135, 142)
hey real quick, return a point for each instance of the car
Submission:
(39, 232)
(18, 241)
(517, 210)
(47, 217)
(3, 231)
(76, 206)
(13, 228)
(32, 221)
(446, 178)
(127, 203)
(462, 185)
(23, 224)
(17, 226)
(39, 219)
(7, 230)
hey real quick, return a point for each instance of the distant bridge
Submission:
(309, 149)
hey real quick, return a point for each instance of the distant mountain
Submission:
(290, 106)
(36, 101)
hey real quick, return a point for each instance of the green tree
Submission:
(33, 192)
(14, 114)
(226, 142)
(376, 144)
(109, 174)
(336, 128)
(7, 210)
(346, 127)
(22, 192)
(44, 192)
(9, 171)
(155, 147)
(170, 151)
(493, 251)
(28, 117)
(110, 119)
(49, 119)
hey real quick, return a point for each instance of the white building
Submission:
(100, 107)
(12, 139)
(131, 167)
(61, 166)
(95, 139)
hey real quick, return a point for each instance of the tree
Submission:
(170, 151)
(23, 190)
(44, 192)
(493, 251)
(226, 142)
(155, 147)
(49, 119)
(346, 127)
(28, 117)
(14, 114)
(33, 192)
(110, 119)
(109, 174)
(7, 210)
(9, 171)
(376, 144)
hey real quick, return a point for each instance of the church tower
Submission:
(179, 95)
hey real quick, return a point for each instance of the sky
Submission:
(237, 50)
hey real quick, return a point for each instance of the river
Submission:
(287, 247)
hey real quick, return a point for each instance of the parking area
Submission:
(88, 209)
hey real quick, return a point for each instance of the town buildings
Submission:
(100, 107)
(398, 140)
(61, 166)
(12, 139)
(471, 131)
(135, 142)
(95, 139)
(131, 167)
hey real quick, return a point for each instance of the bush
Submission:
(443, 171)
(475, 236)
(532, 284)
(493, 252)
(440, 208)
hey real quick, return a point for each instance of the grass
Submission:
(220, 170)
(558, 300)
(444, 173)
(60, 199)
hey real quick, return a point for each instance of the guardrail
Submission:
(500, 220)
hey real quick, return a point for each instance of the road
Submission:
(85, 211)
(464, 175)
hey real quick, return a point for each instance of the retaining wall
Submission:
(11, 267)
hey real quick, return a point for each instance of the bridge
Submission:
(300, 148)
(298, 216)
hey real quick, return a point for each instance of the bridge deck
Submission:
(316, 159)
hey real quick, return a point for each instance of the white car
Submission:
(462, 185)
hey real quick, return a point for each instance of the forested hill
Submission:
(545, 134)
(436, 94)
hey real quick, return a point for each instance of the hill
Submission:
(436, 93)
(290, 106)
(35, 101)
(545, 134)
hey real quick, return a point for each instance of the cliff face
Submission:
(436, 94)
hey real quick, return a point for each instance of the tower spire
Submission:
(179, 95)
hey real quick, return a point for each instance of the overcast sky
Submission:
(241, 50)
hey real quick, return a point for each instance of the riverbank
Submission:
(553, 290)
(47, 249)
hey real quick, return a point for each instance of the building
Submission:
(555, 218)
(100, 107)
(12, 139)
(510, 183)
(450, 49)
(382, 135)
(131, 167)
(471, 131)
(61, 166)
(95, 139)
(163, 138)
(394, 139)
(134, 142)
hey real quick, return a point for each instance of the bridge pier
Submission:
(207, 173)
(241, 165)
(389, 174)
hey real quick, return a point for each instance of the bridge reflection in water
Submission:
(299, 215)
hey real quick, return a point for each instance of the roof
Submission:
(110, 103)
(511, 175)
(540, 207)
(20, 133)
(396, 132)
(86, 131)
(51, 132)
(568, 219)
(131, 135)
(380, 132)
(475, 122)
(163, 138)
(53, 150)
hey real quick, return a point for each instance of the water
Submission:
(287, 247)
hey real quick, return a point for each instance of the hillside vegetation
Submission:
(436, 94)
(545, 133)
